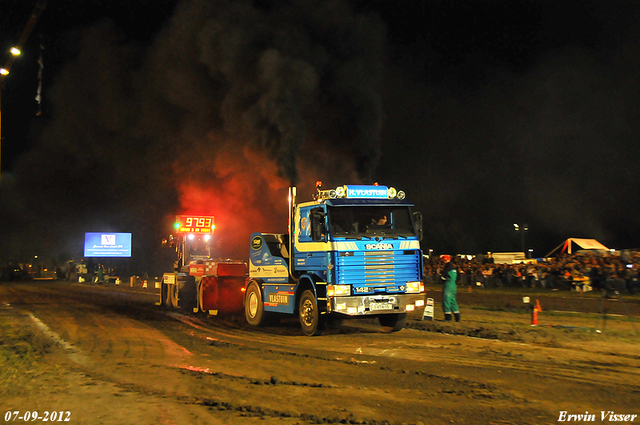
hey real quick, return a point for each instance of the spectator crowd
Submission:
(588, 271)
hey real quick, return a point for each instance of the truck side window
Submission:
(318, 227)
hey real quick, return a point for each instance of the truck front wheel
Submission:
(253, 305)
(394, 322)
(309, 317)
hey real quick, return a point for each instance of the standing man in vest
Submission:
(449, 303)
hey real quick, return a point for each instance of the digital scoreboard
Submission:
(194, 224)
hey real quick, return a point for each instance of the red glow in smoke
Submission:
(238, 188)
(238, 212)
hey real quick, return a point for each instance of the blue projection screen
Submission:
(107, 244)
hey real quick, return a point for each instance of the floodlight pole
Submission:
(15, 51)
(1, 84)
(521, 229)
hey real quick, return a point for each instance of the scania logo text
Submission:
(378, 246)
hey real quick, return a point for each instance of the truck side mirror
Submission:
(318, 228)
(417, 223)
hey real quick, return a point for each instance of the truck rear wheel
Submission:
(394, 322)
(253, 305)
(309, 316)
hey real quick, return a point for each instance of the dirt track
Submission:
(124, 360)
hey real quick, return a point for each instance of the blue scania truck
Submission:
(353, 251)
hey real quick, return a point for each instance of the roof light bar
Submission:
(361, 191)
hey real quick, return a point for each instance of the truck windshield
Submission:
(366, 221)
(197, 247)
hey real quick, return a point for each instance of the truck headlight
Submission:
(338, 290)
(415, 287)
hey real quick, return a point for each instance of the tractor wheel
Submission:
(309, 315)
(173, 295)
(253, 305)
(164, 295)
(394, 322)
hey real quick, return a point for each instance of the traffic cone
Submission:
(534, 313)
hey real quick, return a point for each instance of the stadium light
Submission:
(521, 229)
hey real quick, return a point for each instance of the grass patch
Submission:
(21, 348)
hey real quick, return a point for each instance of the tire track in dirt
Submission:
(360, 375)
(376, 394)
(539, 374)
(492, 356)
(431, 384)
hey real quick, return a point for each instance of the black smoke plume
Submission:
(232, 102)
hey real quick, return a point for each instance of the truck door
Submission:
(312, 224)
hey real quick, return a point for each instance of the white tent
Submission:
(582, 243)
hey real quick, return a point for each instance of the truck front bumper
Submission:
(362, 305)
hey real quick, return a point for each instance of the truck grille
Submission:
(377, 268)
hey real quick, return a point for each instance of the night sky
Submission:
(486, 113)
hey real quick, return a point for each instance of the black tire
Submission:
(309, 315)
(187, 295)
(253, 305)
(394, 322)
(173, 296)
(164, 295)
(200, 296)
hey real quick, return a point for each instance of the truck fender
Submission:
(258, 281)
(315, 284)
